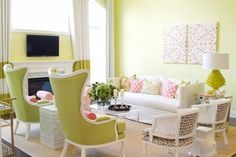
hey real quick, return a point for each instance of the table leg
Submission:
(12, 133)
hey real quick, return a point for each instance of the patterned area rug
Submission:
(133, 147)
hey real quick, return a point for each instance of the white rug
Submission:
(133, 147)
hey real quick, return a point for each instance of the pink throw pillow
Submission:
(31, 98)
(136, 86)
(170, 90)
(44, 95)
(90, 115)
(86, 99)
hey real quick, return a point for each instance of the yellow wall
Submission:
(138, 30)
(18, 49)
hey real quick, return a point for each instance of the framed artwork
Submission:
(174, 44)
(201, 39)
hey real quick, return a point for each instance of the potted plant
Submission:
(101, 93)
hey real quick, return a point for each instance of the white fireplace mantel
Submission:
(40, 68)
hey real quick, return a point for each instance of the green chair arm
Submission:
(103, 118)
(43, 103)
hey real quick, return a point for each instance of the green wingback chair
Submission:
(25, 111)
(79, 130)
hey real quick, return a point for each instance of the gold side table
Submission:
(6, 108)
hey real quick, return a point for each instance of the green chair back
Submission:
(15, 80)
(77, 128)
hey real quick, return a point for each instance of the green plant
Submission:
(101, 92)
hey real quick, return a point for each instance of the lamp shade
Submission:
(216, 61)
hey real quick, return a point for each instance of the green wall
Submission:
(138, 31)
(18, 48)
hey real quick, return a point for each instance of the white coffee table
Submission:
(137, 113)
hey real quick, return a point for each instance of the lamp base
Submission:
(215, 80)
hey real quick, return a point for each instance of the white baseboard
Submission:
(232, 114)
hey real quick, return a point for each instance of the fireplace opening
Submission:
(36, 84)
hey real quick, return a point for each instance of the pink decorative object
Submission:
(32, 98)
(44, 95)
(136, 86)
(170, 90)
(86, 99)
(90, 115)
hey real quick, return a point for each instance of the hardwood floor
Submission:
(19, 153)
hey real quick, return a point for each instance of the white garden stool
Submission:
(205, 144)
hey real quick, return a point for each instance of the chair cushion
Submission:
(121, 127)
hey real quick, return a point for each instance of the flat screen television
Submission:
(42, 45)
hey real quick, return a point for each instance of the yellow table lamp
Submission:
(215, 62)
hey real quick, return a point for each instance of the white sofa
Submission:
(186, 97)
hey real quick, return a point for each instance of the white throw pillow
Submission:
(184, 83)
(151, 87)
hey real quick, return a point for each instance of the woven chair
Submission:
(214, 115)
(173, 131)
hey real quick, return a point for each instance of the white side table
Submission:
(51, 132)
(205, 144)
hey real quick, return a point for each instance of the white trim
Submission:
(28, 122)
(94, 146)
(233, 114)
(40, 68)
(84, 147)
(9, 68)
(110, 50)
(40, 32)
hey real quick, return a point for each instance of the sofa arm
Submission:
(188, 94)
(115, 81)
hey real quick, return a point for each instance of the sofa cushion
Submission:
(125, 82)
(177, 93)
(151, 87)
(136, 86)
(152, 101)
(170, 90)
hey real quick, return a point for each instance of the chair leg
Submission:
(225, 138)
(83, 152)
(122, 149)
(176, 153)
(64, 149)
(27, 131)
(144, 149)
(16, 126)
